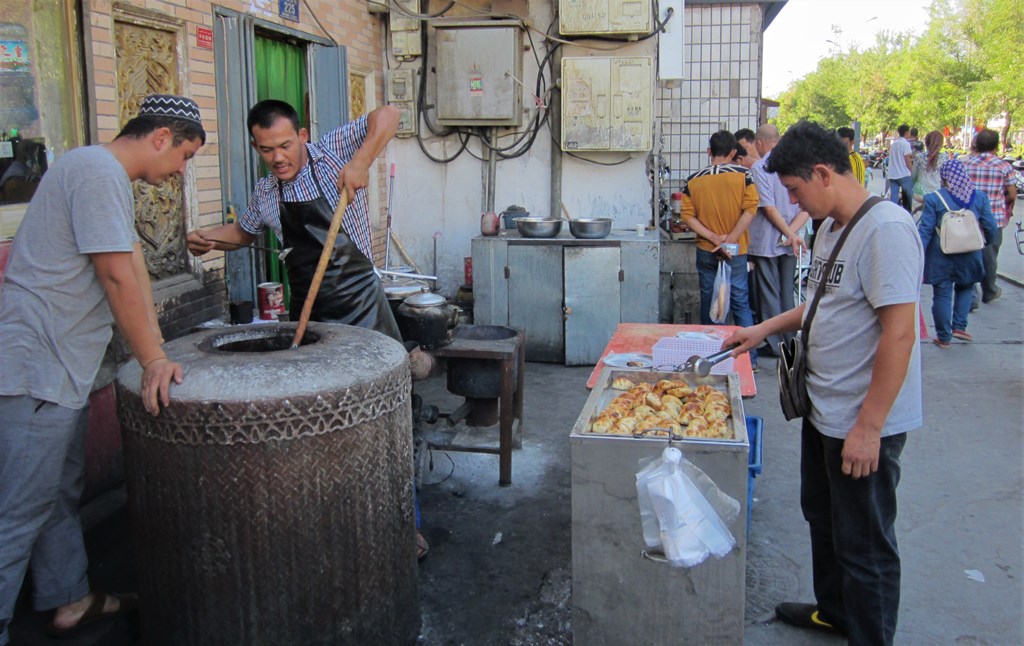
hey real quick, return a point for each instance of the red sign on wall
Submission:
(204, 37)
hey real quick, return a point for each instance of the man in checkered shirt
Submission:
(303, 187)
(998, 180)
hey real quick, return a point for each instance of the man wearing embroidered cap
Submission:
(76, 267)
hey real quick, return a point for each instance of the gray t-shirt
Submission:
(880, 264)
(54, 317)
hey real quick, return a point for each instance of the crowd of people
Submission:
(931, 183)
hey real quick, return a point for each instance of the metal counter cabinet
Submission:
(568, 294)
(619, 595)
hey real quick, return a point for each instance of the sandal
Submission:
(127, 604)
(422, 547)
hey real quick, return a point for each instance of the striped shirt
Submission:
(328, 156)
(992, 175)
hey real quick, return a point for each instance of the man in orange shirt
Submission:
(719, 201)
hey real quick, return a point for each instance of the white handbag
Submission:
(958, 230)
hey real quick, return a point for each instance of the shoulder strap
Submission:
(941, 199)
(864, 208)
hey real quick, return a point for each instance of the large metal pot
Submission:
(538, 227)
(399, 289)
(590, 228)
(427, 319)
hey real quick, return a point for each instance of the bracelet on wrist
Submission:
(152, 361)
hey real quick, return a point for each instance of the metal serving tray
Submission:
(603, 394)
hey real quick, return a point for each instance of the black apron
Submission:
(350, 292)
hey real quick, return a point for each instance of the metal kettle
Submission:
(428, 319)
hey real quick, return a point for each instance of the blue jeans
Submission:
(907, 186)
(854, 554)
(739, 299)
(950, 298)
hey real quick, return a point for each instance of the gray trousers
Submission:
(774, 280)
(42, 464)
(989, 253)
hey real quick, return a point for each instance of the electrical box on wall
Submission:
(607, 103)
(401, 91)
(583, 17)
(479, 73)
(405, 31)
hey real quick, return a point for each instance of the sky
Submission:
(799, 36)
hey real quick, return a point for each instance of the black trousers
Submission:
(853, 540)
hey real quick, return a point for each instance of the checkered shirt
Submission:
(992, 175)
(328, 155)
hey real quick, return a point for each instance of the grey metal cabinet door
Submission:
(592, 292)
(535, 299)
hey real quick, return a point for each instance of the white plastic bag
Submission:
(720, 292)
(683, 511)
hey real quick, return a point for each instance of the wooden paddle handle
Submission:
(321, 267)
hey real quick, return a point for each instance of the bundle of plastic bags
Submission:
(683, 511)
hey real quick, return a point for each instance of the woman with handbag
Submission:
(952, 276)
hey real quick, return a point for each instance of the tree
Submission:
(968, 49)
(993, 32)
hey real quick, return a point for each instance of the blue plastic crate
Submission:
(755, 425)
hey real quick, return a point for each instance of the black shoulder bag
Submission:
(793, 353)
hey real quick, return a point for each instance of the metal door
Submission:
(592, 291)
(238, 172)
(535, 299)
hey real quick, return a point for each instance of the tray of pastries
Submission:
(664, 405)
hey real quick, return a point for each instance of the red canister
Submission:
(271, 297)
(467, 270)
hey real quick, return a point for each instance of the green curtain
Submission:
(280, 74)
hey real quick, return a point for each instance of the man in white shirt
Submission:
(900, 161)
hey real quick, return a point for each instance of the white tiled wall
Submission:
(722, 89)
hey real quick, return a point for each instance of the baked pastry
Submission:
(622, 383)
(698, 427)
(643, 411)
(691, 410)
(682, 392)
(705, 390)
(625, 426)
(671, 400)
(653, 401)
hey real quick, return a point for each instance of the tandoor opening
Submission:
(268, 339)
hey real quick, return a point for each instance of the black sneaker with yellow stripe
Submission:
(807, 615)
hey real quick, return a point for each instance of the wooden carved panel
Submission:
(356, 95)
(147, 63)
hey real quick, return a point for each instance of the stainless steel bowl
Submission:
(538, 227)
(590, 228)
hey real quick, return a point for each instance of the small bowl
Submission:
(538, 227)
(590, 228)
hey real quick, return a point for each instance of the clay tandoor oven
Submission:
(272, 501)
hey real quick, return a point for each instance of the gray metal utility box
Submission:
(620, 594)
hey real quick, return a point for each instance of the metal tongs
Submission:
(701, 366)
